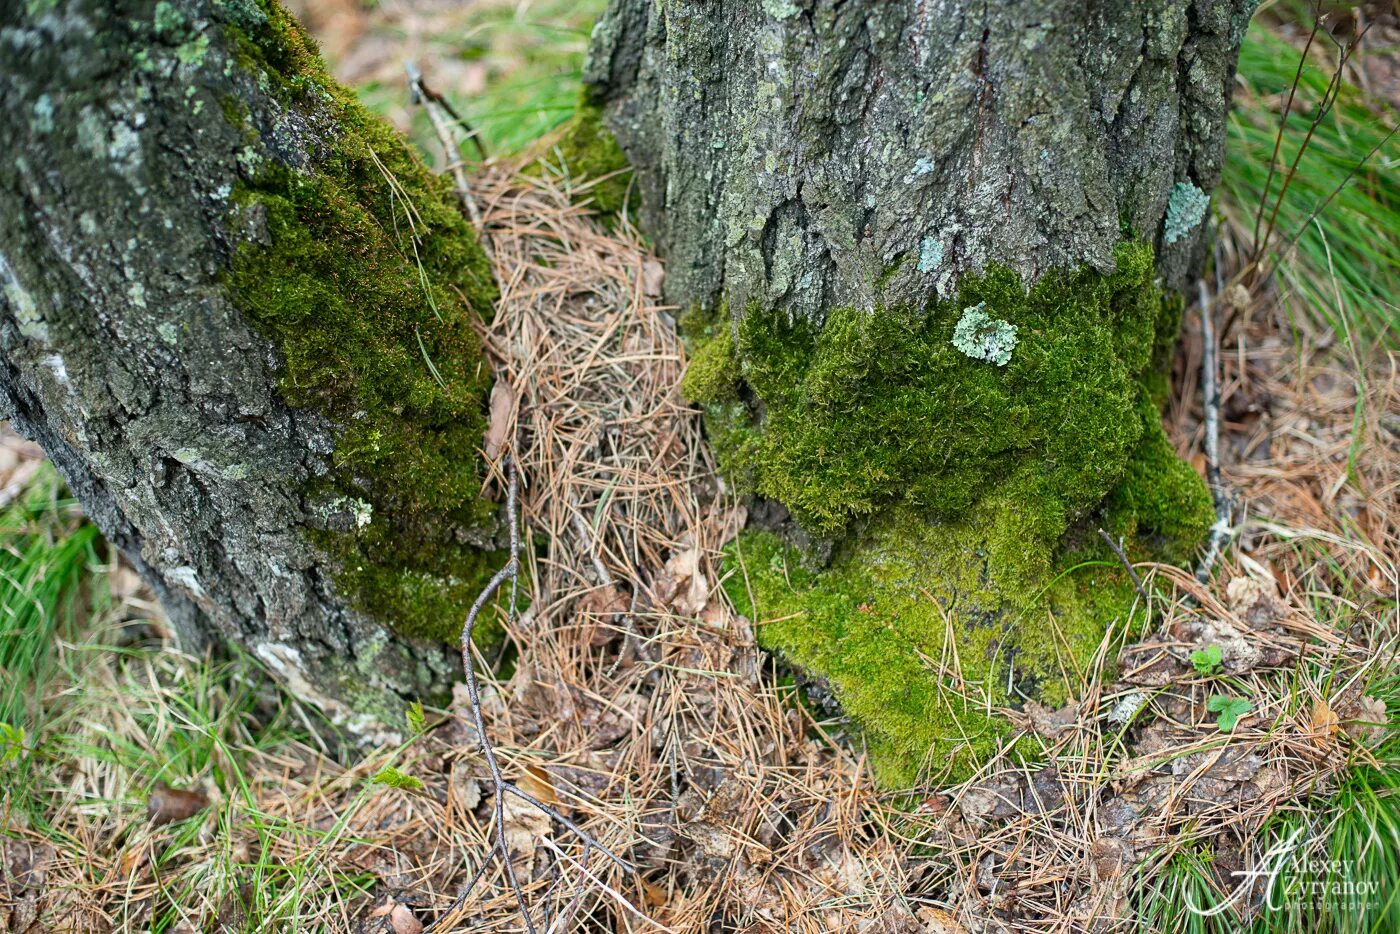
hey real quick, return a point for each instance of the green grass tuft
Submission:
(1346, 268)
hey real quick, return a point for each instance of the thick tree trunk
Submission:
(791, 152)
(221, 284)
(930, 249)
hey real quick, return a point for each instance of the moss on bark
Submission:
(960, 495)
(367, 279)
(586, 151)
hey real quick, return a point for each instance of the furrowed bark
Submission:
(189, 204)
(790, 153)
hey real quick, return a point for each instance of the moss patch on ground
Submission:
(367, 279)
(962, 495)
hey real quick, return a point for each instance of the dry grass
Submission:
(634, 699)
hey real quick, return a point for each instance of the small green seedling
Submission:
(1206, 660)
(416, 718)
(1229, 709)
(396, 778)
(11, 742)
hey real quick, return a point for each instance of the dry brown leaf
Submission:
(1323, 723)
(537, 783)
(1367, 720)
(1051, 723)
(938, 921)
(682, 585)
(498, 425)
(525, 825)
(653, 277)
(167, 804)
(401, 919)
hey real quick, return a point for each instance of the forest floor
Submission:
(149, 790)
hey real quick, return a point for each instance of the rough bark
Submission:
(792, 152)
(929, 250)
(141, 143)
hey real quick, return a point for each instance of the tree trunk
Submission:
(930, 250)
(237, 313)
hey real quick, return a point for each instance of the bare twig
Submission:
(499, 848)
(435, 105)
(1117, 547)
(1210, 402)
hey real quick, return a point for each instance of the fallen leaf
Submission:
(653, 277)
(938, 921)
(1367, 720)
(1323, 723)
(538, 784)
(524, 825)
(654, 895)
(682, 585)
(166, 804)
(401, 919)
(1109, 857)
(1050, 723)
(498, 424)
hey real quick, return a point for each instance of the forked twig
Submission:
(435, 104)
(499, 848)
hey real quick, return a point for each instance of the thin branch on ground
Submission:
(1210, 402)
(499, 848)
(1117, 547)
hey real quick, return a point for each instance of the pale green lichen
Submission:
(930, 254)
(982, 337)
(1186, 208)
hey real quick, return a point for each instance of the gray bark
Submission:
(123, 354)
(792, 152)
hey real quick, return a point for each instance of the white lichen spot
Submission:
(43, 114)
(923, 166)
(137, 293)
(26, 310)
(1186, 208)
(780, 9)
(1127, 708)
(360, 511)
(58, 368)
(168, 332)
(186, 577)
(930, 254)
(982, 337)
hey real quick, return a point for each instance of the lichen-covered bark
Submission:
(237, 313)
(809, 154)
(929, 250)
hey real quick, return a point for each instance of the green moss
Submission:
(879, 408)
(586, 150)
(712, 376)
(962, 495)
(367, 280)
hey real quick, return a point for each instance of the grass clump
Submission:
(367, 279)
(1346, 266)
(585, 152)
